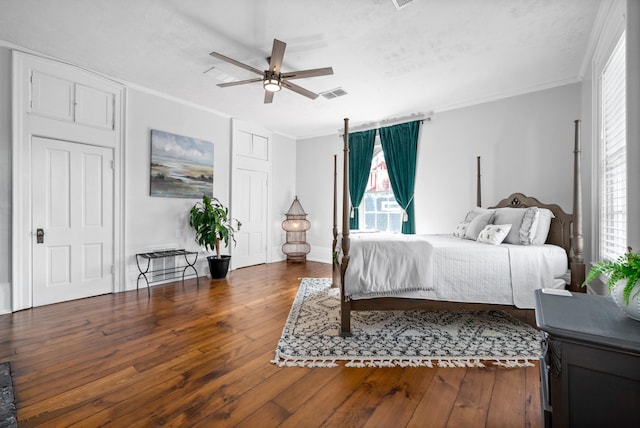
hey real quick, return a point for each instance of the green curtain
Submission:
(400, 147)
(360, 155)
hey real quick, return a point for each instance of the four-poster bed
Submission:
(512, 270)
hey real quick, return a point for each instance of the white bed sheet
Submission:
(443, 267)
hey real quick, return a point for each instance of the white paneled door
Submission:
(72, 220)
(251, 160)
(251, 248)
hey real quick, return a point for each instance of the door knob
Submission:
(40, 236)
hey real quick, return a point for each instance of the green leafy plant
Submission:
(211, 223)
(626, 267)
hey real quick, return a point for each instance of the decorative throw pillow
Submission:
(477, 224)
(544, 223)
(529, 225)
(494, 233)
(461, 229)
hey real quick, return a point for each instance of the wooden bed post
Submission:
(479, 187)
(335, 271)
(577, 242)
(345, 305)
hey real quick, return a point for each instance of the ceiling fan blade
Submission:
(268, 97)
(307, 73)
(234, 62)
(239, 82)
(299, 90)
(277, 54)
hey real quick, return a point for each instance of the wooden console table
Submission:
(166, 273)
(590, 373)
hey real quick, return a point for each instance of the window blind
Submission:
(613, 156)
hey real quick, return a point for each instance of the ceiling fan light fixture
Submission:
(272, 82)
(272, 79)
(272, 85)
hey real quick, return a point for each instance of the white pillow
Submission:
(494, 233)
(475, 212)
(512, 216)
(461, 229)
(544, 223)
(477, 224)
(529, 225)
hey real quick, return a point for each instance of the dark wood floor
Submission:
(195, 357)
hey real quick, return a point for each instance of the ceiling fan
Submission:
(274, 79)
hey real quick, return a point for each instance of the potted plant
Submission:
(626, 267)
(211, 223)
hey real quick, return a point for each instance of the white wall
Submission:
(154, 222)
(284, 189)
(314, 179)
(5, 179)
(525, 142)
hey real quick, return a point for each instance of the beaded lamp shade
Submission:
(296, 225)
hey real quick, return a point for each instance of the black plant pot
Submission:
(218, 267)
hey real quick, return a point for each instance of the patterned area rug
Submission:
(399, 338)
(7, 405)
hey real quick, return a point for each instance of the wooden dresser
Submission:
(590, 372)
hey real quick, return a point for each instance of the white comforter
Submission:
(443, 267)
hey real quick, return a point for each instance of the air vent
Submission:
(334, 93)
(399, 4)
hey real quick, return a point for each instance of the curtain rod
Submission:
(390, 122)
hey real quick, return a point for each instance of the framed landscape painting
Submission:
(181, 167)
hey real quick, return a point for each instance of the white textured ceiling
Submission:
(431, 55)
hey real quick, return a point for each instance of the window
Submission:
(379, 209)
(613, 157)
